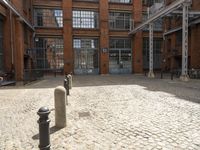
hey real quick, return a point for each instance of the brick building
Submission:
(16, 33)
(80, 36)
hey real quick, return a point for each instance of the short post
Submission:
(172, 75)
(66, 85)
(161, 74)
(60, 107)
(145, 73)
(69, 76)
(44, 133)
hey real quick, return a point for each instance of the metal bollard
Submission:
(60, 106)
(44, 133)
(66, 85)
(161, 75)
(172, 75)
(69, 76)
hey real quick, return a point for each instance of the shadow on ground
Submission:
(189, 91)
(52, 131)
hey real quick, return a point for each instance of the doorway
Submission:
(120, 56)
(86, 56)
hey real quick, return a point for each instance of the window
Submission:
(178, 38)
(85, 43)
(85, 19)
(158, 24)
(157, 45)
(86, 55)
(87, 0)
(48, 18)
(120, 20)
(120, 56)
(49, 53)
(151, 2)
(120, 44)
(121, 1)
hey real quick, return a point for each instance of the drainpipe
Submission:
(11, 39)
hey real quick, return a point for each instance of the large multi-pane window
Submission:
(158, 24)
(85, 19)
(121, 1)
(1, 44)
(48, 18)
(86, 55)
(120, 20)
(157, 45)
(49, 53)
(151, 2)
(120, 56)
(87, 0)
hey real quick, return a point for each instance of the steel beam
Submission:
(184, 73)
(151, 74)
(162, 12)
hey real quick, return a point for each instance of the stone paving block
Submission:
(125, 112)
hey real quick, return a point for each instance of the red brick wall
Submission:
(67, 36)
(104, 36)
(137, 39)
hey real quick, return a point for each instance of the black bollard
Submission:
(145, 73)
(161, 74)
(44, 133)
(172, 75)
(66, 85)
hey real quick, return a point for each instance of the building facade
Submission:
(16, 34)
(85, 37)
(95, 34)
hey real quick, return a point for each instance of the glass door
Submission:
(120, 61)
(86, 61)
(86, 56)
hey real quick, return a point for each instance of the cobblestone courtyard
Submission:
(105, 113)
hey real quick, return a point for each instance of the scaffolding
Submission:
(162, 11)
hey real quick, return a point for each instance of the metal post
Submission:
(184, 73)
(66, 85)
(44, 134)
(151, 74)
(161, 74)
(172, 75)
(69, 76)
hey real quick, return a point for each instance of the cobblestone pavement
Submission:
(106, 113)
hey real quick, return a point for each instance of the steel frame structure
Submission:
(184, 4)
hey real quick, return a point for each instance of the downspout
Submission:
(11, 39)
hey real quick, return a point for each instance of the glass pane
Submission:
(126, 59)
(48, 17)
(86, 55)
(49, 53)
(114, 59)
